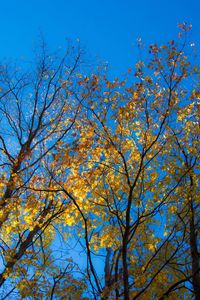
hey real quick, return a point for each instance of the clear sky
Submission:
(107, 29)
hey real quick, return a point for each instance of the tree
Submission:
(111, 167)
(37, 114)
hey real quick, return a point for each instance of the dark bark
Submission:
(194, 256)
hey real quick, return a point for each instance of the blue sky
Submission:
(107, 29)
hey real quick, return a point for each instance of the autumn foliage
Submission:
(100, 179)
